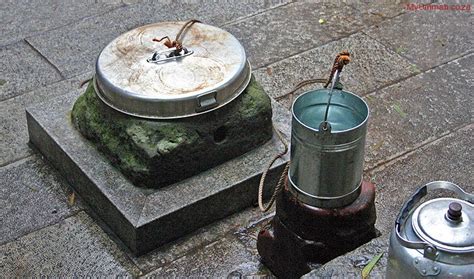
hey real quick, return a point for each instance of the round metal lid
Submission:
(212, 73)
(432, 223)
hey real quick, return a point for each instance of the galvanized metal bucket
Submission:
(327, 160)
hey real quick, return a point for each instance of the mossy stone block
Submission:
(156, 153)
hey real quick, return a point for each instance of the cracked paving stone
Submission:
(74, 49)
(32, 196)
(372, 67)
(21, 18)
(419, 109)
(427, 38)
(74, 247)
(14, 135)
(288, 30)
(23, 69)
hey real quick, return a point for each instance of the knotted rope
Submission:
(343, 58)
(177, 42)
(279, 186)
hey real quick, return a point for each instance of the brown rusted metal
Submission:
(300, 234)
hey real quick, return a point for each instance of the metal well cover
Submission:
(214, 74)
(430, 223)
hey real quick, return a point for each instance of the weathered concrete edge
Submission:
(75, 176)
(218, 205)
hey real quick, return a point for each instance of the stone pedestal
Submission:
(145, 218)
(156, 153)
(300, 235)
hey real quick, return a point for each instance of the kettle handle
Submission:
(430, 251)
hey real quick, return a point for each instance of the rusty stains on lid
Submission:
(130, 77)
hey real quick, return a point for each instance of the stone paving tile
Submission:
(288, 30)
(193, 250)
(372, 67)
(74, 49)
(377, 11)
(224, 258)
(14, 134)
(75, 247)
(419, 109)
(32, 196)
(21, 18)
(428, 38)
(22, 69)
(449, 158)
(195, 241)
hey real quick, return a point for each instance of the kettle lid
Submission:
(446, 223)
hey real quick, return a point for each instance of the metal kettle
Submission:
(436, 239)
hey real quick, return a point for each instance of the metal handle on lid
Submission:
(430, 251)
(206, 101)
(168, 54)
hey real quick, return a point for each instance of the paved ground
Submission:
(413, 67)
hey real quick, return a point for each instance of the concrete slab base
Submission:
(147, 218)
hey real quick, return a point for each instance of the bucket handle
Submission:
(430, 251)
(325, 125)
(342, 59)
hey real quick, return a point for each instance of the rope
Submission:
(299, 86)
(177, 43)
(343, 58)
(279, 186)
(84, 82)
(187, 25)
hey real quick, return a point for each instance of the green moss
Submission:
(155, 153)
(160, 139)
(173, 136)
(88, 116)
(142, 138)
(255, 100)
